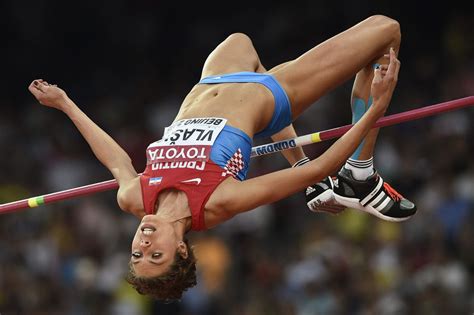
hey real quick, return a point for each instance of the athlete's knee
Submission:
(240, 38)
(384, 21)
(391, 28)
(242, 46)
(388, 26)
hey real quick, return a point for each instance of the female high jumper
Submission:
(195, 177)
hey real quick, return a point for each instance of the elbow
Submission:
(124, 202)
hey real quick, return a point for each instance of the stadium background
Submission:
(128, 65)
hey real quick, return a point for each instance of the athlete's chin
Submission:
(150, 220)
(153, 220)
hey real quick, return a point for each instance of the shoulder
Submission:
(129, 196)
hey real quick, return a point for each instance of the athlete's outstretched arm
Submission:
(275, 186)
(107, 151)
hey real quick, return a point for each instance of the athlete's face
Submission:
(154, 247)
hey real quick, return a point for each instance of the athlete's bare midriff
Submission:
(247, 106)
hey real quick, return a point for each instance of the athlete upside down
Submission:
(195, 177)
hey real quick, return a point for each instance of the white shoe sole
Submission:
(326, 203)
(355, 204)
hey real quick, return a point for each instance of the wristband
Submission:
(301, 162)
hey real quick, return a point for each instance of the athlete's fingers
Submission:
(393, 66)
(377, 75)
(383, 70)
(397, 70)
(39, 86)
(34, 89)
(389, 53)
(34, 85)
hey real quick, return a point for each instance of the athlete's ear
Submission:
(183, 249)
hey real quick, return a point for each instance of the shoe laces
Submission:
(395, 195)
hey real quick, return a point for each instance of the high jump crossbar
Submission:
(256, 151)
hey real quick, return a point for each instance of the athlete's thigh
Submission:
(336, 60)
(236, 53)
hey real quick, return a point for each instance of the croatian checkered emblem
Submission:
(235, 164)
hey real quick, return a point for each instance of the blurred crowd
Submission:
(129, 65)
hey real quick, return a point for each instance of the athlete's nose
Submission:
(145, 243)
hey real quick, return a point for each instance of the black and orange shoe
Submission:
(373, 196)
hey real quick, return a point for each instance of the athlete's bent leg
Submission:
(357, 184)
(320, 197)
(336, 60)
(330, 64)
(236, 53)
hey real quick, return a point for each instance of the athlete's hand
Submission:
(384, 82)
(48, 94)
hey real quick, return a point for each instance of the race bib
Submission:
(186, 140)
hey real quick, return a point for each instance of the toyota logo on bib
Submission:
(178, 153)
